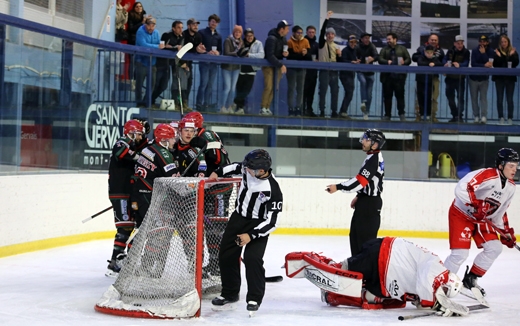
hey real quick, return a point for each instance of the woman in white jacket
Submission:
(253, 49)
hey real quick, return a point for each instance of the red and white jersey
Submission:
(485, 184)
(405, 268)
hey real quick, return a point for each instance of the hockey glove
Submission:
(198, 142)
(509, 240)
(480, 209)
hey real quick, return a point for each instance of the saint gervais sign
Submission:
(103, 126)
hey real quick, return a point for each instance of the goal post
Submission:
(173, 261)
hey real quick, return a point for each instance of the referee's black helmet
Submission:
(257, 159)
(376, 136)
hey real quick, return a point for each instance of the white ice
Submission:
(61, 286)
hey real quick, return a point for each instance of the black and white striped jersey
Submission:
(369, 180)
(257, 199)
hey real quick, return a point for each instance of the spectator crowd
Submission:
(237, 80)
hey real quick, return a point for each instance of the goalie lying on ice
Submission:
(385, 274)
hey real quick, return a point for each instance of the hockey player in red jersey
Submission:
(481, 196)
(120, 169)
(386, 273)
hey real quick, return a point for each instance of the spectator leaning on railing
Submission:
(367, 53)
(457, 57)
(147, 36)
(311, 75)
(253, 49)
(192, 35)
(433, 40)
(505, 57)
(121, 20)
(328, 52)
(481, 57)
(349, 55)
(393, 83)
(299, 49)
(232, 46)
(274, 53)
(425, 82)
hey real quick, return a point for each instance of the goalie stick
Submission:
(434, 313)
(178, 58)
(97, 214)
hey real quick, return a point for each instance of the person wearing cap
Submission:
(274, 53)
(311, 75)
(478, 84)
(208, 71)
(147, 36)
(393, 83)
(328, 52)
(425, 82)
(348, 55)
(192, 35)
(505, 57)
(433, 40)
(367, 53)
(458, 56)
(299, 49)
(253, 49)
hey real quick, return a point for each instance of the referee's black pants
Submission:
(229, 260)
(365, 221)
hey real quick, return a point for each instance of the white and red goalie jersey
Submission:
(407, 270)
(485, 185)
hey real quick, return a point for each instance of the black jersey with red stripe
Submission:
(217, 157)
(121, 166)
(369, 180)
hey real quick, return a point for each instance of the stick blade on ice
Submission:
(184, 49)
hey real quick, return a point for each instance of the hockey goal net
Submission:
(174, 256)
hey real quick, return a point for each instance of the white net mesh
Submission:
(169, 261)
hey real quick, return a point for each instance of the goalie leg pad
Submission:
(447, 306)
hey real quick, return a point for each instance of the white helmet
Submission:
(453, 286)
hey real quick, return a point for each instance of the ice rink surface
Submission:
(61, 286)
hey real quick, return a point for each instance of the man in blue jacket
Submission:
(478, 84)
(146, 36)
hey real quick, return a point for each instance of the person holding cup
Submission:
(328, 51)
(274, 53)
(505, 57)
(482, 57)
(393, 83)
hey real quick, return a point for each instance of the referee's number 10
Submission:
(277, 206)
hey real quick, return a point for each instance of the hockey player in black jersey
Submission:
(368, 184)
(155, 161)
(258, 207)
(216, 199)
(120, 169)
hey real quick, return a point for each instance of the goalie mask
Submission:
(453, 286)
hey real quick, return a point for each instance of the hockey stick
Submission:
(178, 57)
(97, 214)
(502, 234)
(434, 313)
(209, 145)
(477, 296)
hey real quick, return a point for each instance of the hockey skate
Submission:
(112, 269)
(470, 282)
(221, 304)
(252, 307)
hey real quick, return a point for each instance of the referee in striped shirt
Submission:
(368, 184)
(258, 206)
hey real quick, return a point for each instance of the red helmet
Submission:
(133, 126)
(163, 132)
(187, 123)
(197, 117)
(174, 124)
